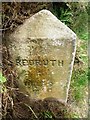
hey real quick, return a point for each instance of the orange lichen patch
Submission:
(38, 76)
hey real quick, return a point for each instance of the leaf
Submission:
(3, 89)
(2, 78)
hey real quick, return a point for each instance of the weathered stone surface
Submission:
(43, 49)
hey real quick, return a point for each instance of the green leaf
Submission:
(2, 78)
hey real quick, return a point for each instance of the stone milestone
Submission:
(43, 51)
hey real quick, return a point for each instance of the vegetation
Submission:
(2, 81)
(74, 15)
(80, 74)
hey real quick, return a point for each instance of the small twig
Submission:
(4, 29)
(32, 111)
(12, 88)
(11, 100)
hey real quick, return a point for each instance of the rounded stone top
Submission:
(43, 25)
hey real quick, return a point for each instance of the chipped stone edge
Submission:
(71, 67)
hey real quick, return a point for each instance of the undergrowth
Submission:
(75, 16)
(79, 82)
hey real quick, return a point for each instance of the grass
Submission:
(84, 36)
(79, 84)
(47, 114)
(79, 80)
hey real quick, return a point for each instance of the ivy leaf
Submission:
(2, 78)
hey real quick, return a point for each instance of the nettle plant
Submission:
(2, 81)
